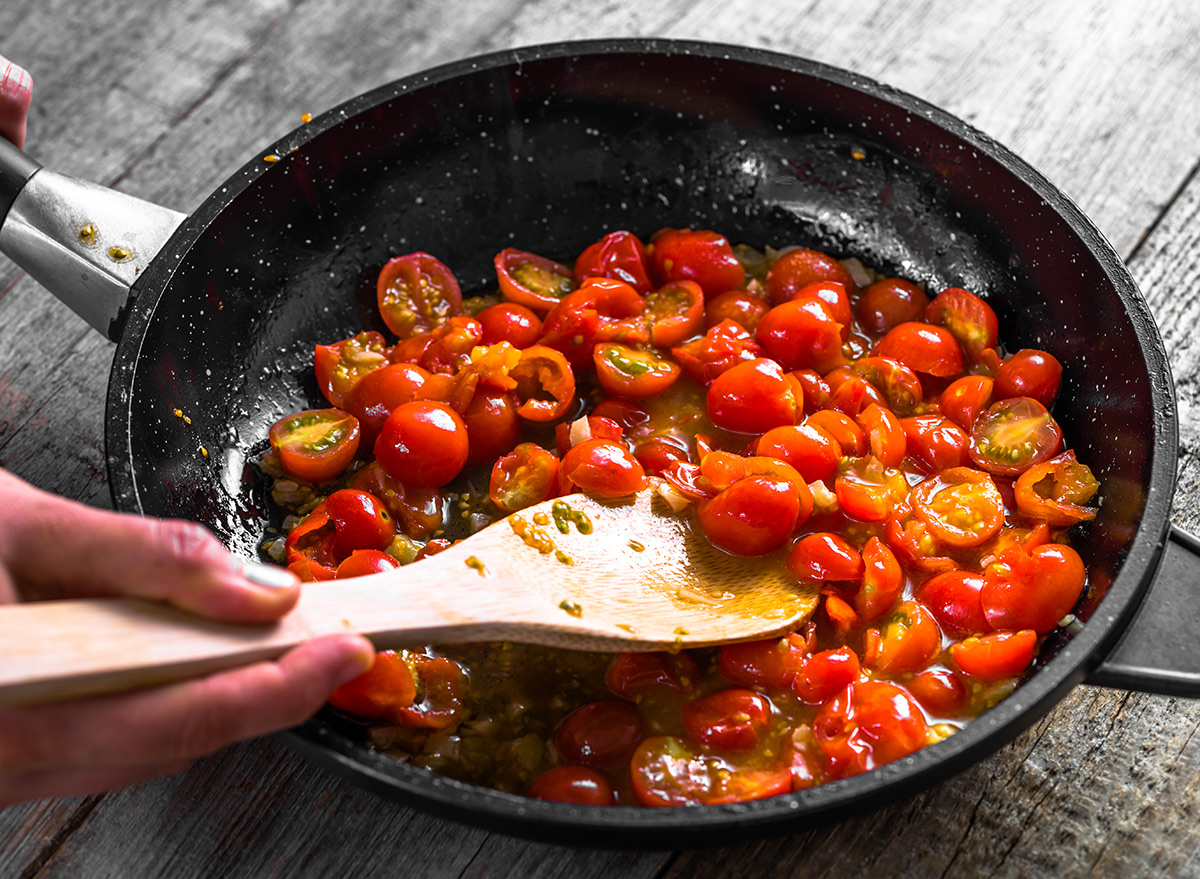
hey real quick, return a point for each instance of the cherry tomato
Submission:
(962, 507)
(882, 582)
(965, 398)
(940, 691)
(842, 428)
(953, 599)
(742, 306)
(417, 293)
(825, 674)
(913, 542)
(802, 333)
(755, 515)
(1032, 590)
(450, 345)
(816, 389)
(380, 691)
(1013, 435)
(867, 490)
(885, 435)
(531, 280)
(850, 393)
(603, 468)
(419, 510)
(968, 318)
(493, 426)
(422, 443)
(825, 556)
(545, 384)
(438, 703)
(773, 663)
(908, 639)
(1055, 491)
(618, 255)
(997, 655)
(374, 397)
(360, 521)
(732, 720)
(810, 450)
(600, 734)
(572, 784)
(659, 453)
(799, 268)
(667, 771)
(626, 413)
(362, 562)
(510, 322)
(886, 304)
(866, 725)
(922, 347)
(316, 445)
(339, 366)
(840, 613)
(696, 255)
(1029, 373)
(753, 397)
(630, 675)
(899, 384)
(601, 310)
(675, 312)
(308, 548)
(934, 442)
(525, 476)
(626, 372)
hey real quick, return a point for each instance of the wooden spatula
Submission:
(577, 573)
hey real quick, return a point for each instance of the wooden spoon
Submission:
(577, 573)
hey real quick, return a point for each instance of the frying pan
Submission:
(547, 148)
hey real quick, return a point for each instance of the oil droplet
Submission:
(270, 158)
(306, 118)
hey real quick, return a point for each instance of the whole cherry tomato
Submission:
(696, 255)
(1013, 435)
(339, 366)
(381, 690)
(755, 515)
(825, 674)
(493, 427)
(362, 562)
(733, 720)
(531, 280)
(618, 255)
(630, 675)
(1032, 590)
(316, 445)
(604, 468)
(886, 304)
(1029, 373)
(868, 724)
(968, 318)
(825, 556)
(801, 267)
(510, 322)
(600, 734)
(422, 443)
(940, 691)
(572, 784)
(934, 442)
(360, 521)
(802, 333)
(525, 476)
(965, 398)
(811, 450)
(753, 397)
(953, 599)
(997, 655)
(742, 306)
(417, 293)
(374, 397)
(924, 348)
(773, 663)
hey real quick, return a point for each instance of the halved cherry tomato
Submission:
(362, 562)
(813, 452)
(600, 734)
(316, 445)
(757, 514)
(801, 267)
(997, 655)
(531, 280)
(545, 384)
(922, 347)
(1032, 590)
(802, 333)
(309, 547)
(603, 468)
(773, 663)
(868, 724)
(419, 510)
(572, 784)
(1013, 435)
(438, 703)
(825, 556)
(381, 690)
(602, 310)
(753, 397)
(850, 393)
(935, 442)
(867, 490)
(899, 384)
(450, 345)
(630, 675)
(625, 412)
(510, 322)
(339, 366)
(840, 613)
(885, 435)
(360, 521)
(674, 312)
(961, 506)
(416, 294)
(667, 771)
(721, 348)
(1029, 373)
(696, 255)
(940, 691)
(906, 641)
(825, 674)
(888, 303)
(882, 582)
(742, 306)
(914, 542)
(627, 372)
(422, 443)
(968, 318)
(1055, 491)
(733, 720)
(965, 398)
(953, 599)
(525, 476)
(842, 428)
(816, 389)
(618, 255)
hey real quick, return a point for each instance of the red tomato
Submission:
(1013, 435)
(953, 599)
(773, 663)
(968, 318)
(545, 384)
(1032, 590)
(599, 311)
(753, 397)
(742, 306)
(899, 384)
(996, 656)
(885, 435)
(1054, 491)
(309, 547)
(316, 445)
(633, 674)
(438, 703)
(675, 312)
(934, 442)
(603, 468)
(362, 562)
(962, 507)
(907, 641)
(755, 515)
(572, 784)
(525, 476)
(825, 556)
(868, 491)
(417, 293)
(449, 348)
(493, 426)
(696, 255)
(850, 393)
(618, 255)
(922, 347)
(721, 348)
(339, 366)
(914, 542)
(799, 268)
(888, 303)
(600, 734)
(940, 691)
(419, 510)
(666, 771)
(882, 583)
(624, 412)
(531, 280)
(866, 725)
(842, 428)
(626, 372)
(380, 691)
(1029, 373)
(810, 450)
(732, 720)
(802, 333)
(360, 521)
(965, 398)
(816, 389)
(422, 443)
(659, 453)
(825, 674)
(509, 322)
(374, 397)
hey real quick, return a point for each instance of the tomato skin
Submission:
(362, 562)
(753, 397)
(1055, 491)
(675, 312)
(603, 468)
(696, 255)
(602, 310)
(720, 349)
(868, 491)
(1012, 435)
(885, 435)
(825, 674)
(825, 556)
(440, 683)
(965, 398)
(866, 725)
(953, 599)
(525, 476)
(626, 413)
(316, 445)
(922, 347)
(733, 720)
(799, 268)
(374, 397)
(380, 691)
(417, 293)
(906, 642)
(618, 255)
(741, 306)
(657, 454)
(360, 521)
(626, 372)
(545, 384)
(899, 384)
(419, 510)
(1029, 373)
(811, 451)
(802, 333)
(601, 735)
(842, 428)
(493, 426)
(850, 393)
(935, 442)
(962, 507)
(997, 655)
(510, 322)
(667, 771)
(308, 548)
(632, 674)
(339, 366)
(531, 280)
(940, 691)
(577, 785)
(755, 515)
(886, 304)
(1032, 590)
(422, 443)
(773, 663)
(882, 583)
(968, 318)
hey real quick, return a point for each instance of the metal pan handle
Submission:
(1157, 653)
(85, 243)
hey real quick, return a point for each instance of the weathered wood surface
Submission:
(165, 99)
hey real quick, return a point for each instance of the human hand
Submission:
(16, 91)
(53, 548)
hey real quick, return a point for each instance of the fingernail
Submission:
(268, 576)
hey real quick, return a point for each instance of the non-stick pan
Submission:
(546, 149)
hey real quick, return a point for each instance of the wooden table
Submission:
(163, 100)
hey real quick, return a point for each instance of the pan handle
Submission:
(85, 243)
(1157, 653)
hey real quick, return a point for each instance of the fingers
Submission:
(16, 91)
(92, 744)
(56, 548)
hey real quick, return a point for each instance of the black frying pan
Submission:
(546, 149)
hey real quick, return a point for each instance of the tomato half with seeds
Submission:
(755, 515)
(668, 771)
(381, 690)
(1055, 491)
(1029, 373)
(961, 506)
(423, 443)
(967, 317)
(1032, 590)
(997, 655)
(720, 349)
(417, 293)
(732, 720)
(600, 734)
(545, 384)
(866, 725)
(953, 599)
(1013, 435)
(603, 468)
(888, 303)
(316, 445)
(628, 372)
(753, 397)
(531, 280)
(510, 322)
(924, 348)
(801, 267)
(618, 255)
(802, 333)
(675, 312)
(572, 784)
(825, 556)
(867, 490)
(525, 476)
(339, 366)
(905, 642)
(899, 384)
(698, 255)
